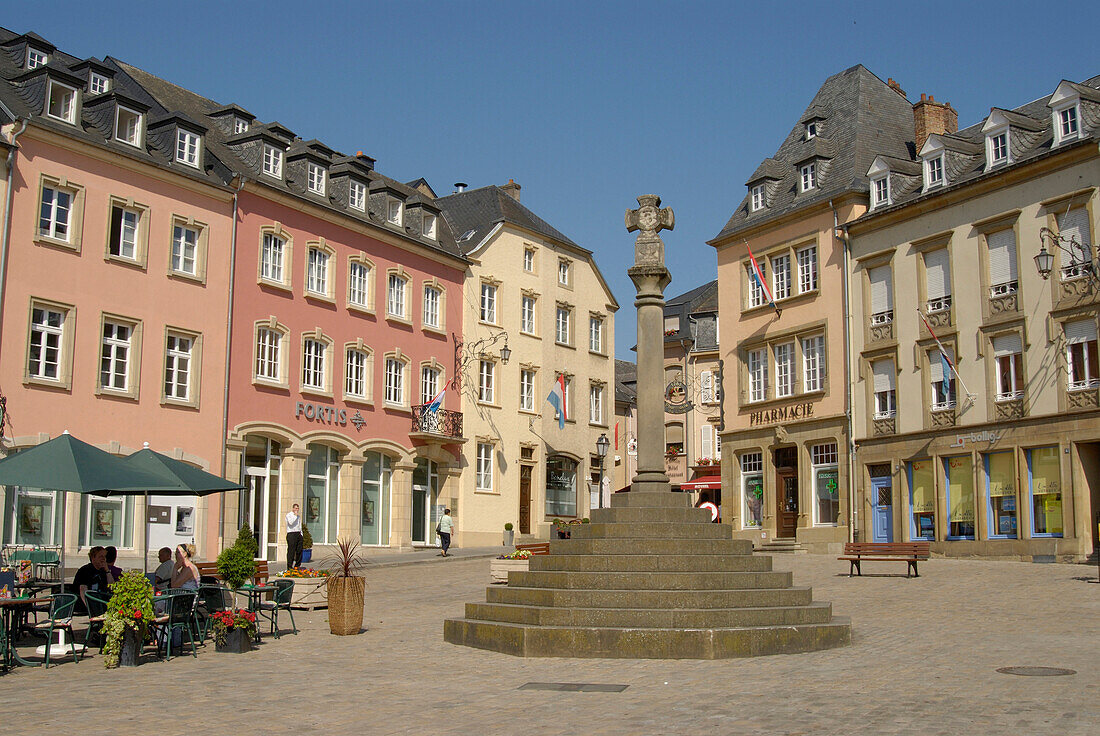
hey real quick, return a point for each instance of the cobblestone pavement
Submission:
(923, 660)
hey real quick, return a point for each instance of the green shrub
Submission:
(585, 520)
(130, 607)
(307, 538)
(247, 540)
(508, 527)
(236, 565)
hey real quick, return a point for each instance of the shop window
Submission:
(32, 516)
(106, 522)
(561, 486)
(826, 483)
(1000, 485)
(1044, 477)
(752, 489)
(959, 482)
(322, 493)
(374, 514)
(922, 499)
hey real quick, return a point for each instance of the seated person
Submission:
(163, 575)
(186, 575)
(93, 576)
(112, 555)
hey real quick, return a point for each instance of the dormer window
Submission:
(997, 148)
(1065, 122)
(880, 191)
(395, 211)
(61, 102)
(756, 201)
(187, 148)
(36, 58)
(807, 176)
(273, 161)
(98, 84)
(357, 196)
(240, 125)
(315, 179)
(933, 172)
(428, 227)
(811, 129)
(128, 126)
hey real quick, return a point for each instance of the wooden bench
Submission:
(908, 552)
(210, 569)
(536, 548)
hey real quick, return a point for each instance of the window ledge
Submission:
(531, 335)
(268, 383)
(56, 243)
(565, 345)
(116, 394)
(434, 330)
(281, 286)
(488, 404)
(188, 277)
(313, 391)
(358, 400)
(399, 320)
(597, 353)
(601, 425)
(488, 324)
(47, 383)
(360, 309)
(313, 296)
(532, 412)
(397, 408)
(179, 403)
(486, 492)
(123, 261)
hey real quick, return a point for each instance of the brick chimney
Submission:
(931, 117)
(512, 189)
(892, 84)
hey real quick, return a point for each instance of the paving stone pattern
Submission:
(923, 660)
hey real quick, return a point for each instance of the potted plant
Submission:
(307, 544)
(516, 561)
(126, 622)
(509, 535)
(247, 539)
(233, 630)
(237, 564)
(310, 587)
(561, 528)
(345, 589)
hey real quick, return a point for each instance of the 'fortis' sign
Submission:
(781, 414)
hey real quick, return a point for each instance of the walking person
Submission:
(445, 529)
(294, 538)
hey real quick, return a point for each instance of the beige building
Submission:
(786, 434)
(1002, 459)
(622, 455)
(532, 289)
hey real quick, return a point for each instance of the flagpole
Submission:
(943, 351)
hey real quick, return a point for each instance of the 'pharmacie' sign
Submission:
(781, 414)
(326, 414)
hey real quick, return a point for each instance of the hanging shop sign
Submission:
(320, 413)
(781, 414)
(676, 398)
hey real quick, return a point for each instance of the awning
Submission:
(709, 483)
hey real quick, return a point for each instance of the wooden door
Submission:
(525, 499)
(786, 516)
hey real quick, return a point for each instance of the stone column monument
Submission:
(650, 278)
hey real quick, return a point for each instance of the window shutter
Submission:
(1075, 224)
(935, 363)
(706, 443)
(937, 270)
(1002, 257)
(881, 298)
(1007, 345)
(706, 387)
(717, 445)
(883, 375)
(1083, 330)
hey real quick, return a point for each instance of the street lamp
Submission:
(505, 352)
(601, 451)
(1080, 255)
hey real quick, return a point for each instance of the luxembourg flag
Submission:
(434, 404)
(761, 281)
(557, 399)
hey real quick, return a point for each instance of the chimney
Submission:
(512, 189)
(931, 117)
(460, 186)
(892, 84)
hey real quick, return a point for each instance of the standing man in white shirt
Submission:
(293, 538)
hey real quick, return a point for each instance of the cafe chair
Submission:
(97, 612)
(212, 598)
(284, 591)
(60, 620)
(178, 613)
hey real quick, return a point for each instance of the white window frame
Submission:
(996, 147)
(395, 211)
(273, 251)
(1063, 114)
(429, 382)
(269, 346)
(564, 269)
(880, 191)
(562, 317)
(67, 108)
(488, 307)
(938, 403)
(526, 389)
(527, 314)
(784, 369)
(46, 338)
(756, 362)
(807, 177)
(885, 315)
(272, 161)
(185, 249)
(315, 178)
(318, 263)
(428, 226)
(357, 195)
(116, 355)
(240, 125)
(314, 364)
(933, 172)
(396, 295)
(939, 294)
(595, 403)
(885, 392)
(433, 300)
(811, 129)
(595, 334)
(1081, 349)
(1002, 281)
(356, 373)
(756, 198)
(823, 456)
(129, 233)
(179, 351)
(359, 283)
(813, 363)
(138, 120)
(529, 260)
(807, 268)
(36, 58)
(756, 291)
(55, 223)
(484, 467)
(188, 147)
(98, 84)
(394, 381)
(486, 381)
(752, 465)
(781, 276)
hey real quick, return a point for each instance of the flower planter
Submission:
(130, 655)
(309, 593)
(345, 604)
(509, 537)
(499, 569)
(237, 641)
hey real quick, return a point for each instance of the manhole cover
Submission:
(1036, 671)
(574, 687)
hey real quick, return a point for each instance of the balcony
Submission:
(441, 424)
(882, 326)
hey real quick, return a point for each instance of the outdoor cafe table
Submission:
(255, 593)
(9, 607)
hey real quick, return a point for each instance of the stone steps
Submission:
(689, 618)
(651, 563)
(670, 599)
(641, 514)
(602, 580)
(663, 530)
(646, 643)
(783, 546)
(651, 546)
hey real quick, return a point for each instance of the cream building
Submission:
(1003, 459)
(535, 291)
(622, 456)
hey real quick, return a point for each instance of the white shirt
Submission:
(164, 572)
(293, 522)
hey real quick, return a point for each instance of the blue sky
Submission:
(585, 104)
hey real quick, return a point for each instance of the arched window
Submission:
(374, 513)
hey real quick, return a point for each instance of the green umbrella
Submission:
(67, 464)
(194, 482)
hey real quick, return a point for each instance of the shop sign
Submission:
(781, 414)
(321, 413)
(676, 400)
(984, 436)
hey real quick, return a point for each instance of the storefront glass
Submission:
(959, 482)
(1045, 485)
(752, 489)
(374, 513)
(561, 486)
(826, 483)
(106, 522)
(322, 492)
(33, 516)
(922, 499)
(1000, 484)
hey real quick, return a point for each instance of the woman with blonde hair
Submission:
(186, 575)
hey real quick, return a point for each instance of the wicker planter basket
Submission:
(345, 605)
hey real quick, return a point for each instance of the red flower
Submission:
(137, 613)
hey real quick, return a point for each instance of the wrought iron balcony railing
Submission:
(442, 422)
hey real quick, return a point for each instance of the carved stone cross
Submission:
(650, 219)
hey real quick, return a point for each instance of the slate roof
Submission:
(224, 156)
(859, 116)
(626, 382)
(1031, 137)
(701, 299)
(479, 210)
